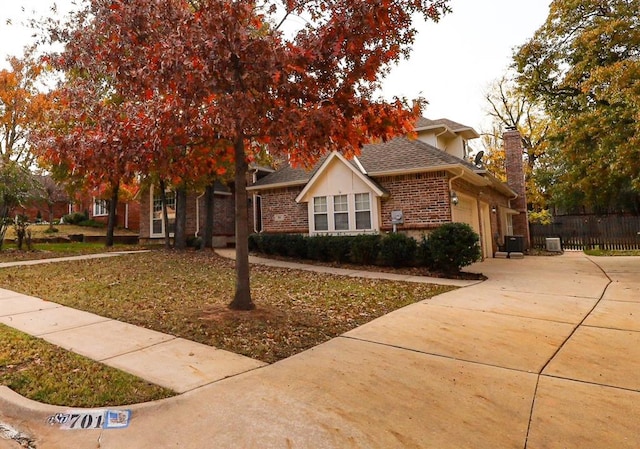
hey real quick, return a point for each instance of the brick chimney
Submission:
(514, 166)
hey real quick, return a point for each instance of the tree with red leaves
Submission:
(91, 138)
(235, 82)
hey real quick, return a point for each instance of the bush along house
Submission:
(407, 185)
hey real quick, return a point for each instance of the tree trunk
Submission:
(209, 201)
(113, 208)
(51, 213)
(242, 299)
(180, 236)
(4, 223)
(165, 214)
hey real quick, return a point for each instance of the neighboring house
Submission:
(127, 213)
(405, 185)
(50, 201)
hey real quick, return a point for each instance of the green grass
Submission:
(46, 373)
(64, 230)
(10, 253)
(603, 252)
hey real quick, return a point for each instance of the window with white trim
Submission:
(342, 213)
(100, 207)
(320, 216)
(363, 211)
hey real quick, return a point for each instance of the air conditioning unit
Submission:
(553, 244)
(514, 243)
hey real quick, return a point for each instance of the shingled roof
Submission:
(395, 156)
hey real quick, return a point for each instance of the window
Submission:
(345, 213)
(100, 207)
(341, 213)
(320, 217)
(363, 211)
(157, 222)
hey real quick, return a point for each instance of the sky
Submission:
(452, 64)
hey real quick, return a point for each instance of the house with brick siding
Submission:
(51, 201)
(408, 185)
(153, 226)
(97, 209)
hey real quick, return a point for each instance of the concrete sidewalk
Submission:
(544, 354)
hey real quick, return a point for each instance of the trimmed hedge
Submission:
(447, 249)
(75, 218)
(398, 250)
(451, 247)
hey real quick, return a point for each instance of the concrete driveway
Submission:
(545, 354)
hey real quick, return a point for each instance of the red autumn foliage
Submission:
(203, 83)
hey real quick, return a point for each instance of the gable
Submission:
(338, 176)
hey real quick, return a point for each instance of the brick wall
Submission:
(422, 197)
(281, 213)
(224, 215)
(60, 208)
(145, 214)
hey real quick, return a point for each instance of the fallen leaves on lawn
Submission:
(186, 294)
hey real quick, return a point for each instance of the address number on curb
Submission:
(91, 419)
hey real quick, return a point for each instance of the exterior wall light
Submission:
(454, 198)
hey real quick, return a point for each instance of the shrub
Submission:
(20, 226)
(365, 249)
(289, 245)
(91, 224)
(297, 246)
(254, 242)
(397, 250)
(453, 246)
(423, 254)
(339, 247)
(194, 242)
(74, 218)
(318, 247)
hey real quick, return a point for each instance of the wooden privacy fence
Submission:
(611, 232)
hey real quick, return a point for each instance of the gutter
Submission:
(461, 175)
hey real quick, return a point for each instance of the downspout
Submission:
(255, 212)
(198, 214)
(451, 188)
(254, 179)
(438, 135)
(453, 179)
(126, 216)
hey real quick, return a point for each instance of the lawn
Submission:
(44, 372)
(605, 252)
(47, 246)
(64, 230)
(186, 294)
